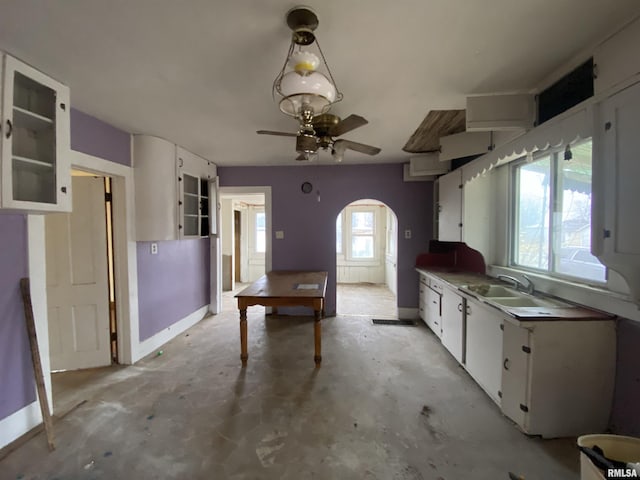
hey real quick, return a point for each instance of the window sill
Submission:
(587, 295)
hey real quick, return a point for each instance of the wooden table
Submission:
(285, 289)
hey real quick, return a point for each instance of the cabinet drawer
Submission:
(436, 286)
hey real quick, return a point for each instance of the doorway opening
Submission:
(243, 219)
(366, 260)
(81, 288)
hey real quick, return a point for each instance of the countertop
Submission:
(459, 281)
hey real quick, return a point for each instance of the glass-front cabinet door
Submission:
(35, 140)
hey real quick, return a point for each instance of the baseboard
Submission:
(169, 333)
(408, 313)
(19, 423)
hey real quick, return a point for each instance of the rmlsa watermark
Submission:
(621, 473)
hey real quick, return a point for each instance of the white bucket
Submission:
(615, 447)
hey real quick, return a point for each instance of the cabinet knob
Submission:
(63, 106)
(460, 307)
(9, 129)
(63, 189)
(505, 364)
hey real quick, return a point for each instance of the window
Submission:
(552, 214)
(362, 234)
(261, 233)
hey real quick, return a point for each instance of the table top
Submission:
(288, 283)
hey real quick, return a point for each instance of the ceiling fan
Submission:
(319, 133)
(308, 94)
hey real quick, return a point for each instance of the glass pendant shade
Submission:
(311, 89)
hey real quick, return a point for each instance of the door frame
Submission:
(266, 191)
(125, 263)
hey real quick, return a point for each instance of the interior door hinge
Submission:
(108, 196)
(114, 337)
(526, 349)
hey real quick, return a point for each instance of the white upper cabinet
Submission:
(194, 190)
(35, 170)
(500, 112)
(450, 206)
(616, 60)
(616, 229)
(173, 191)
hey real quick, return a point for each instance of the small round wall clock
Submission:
(306, 187)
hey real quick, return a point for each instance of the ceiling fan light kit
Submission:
(308, 94)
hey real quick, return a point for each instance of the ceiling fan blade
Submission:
(280, 134)
(340, 145)
(346, 125)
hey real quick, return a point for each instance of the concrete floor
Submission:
(366, 299)
(388, 402)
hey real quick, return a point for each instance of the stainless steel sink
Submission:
(527, 301)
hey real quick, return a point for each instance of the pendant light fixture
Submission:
(305, 91)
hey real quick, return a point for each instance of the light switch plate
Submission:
(407, 234)
(279, 234)
(154, 249)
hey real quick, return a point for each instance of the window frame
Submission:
(254, 211)
(352, 236)
(554, 219)
(346, 254)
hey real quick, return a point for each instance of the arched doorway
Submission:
(366, 260)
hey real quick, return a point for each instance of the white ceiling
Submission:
(199, 73)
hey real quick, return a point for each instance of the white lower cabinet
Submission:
(558, 376)
(484, 347)
(422, 302)
(453, 323)
(553, 377)
(434, 316)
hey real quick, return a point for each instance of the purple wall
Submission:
(310, 226)
(625, 419)
(16, 371)
(88, 135)
(172, 283)
(94, 137)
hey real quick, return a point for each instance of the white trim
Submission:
(266, 191)
(126, 266)
(37, 280)
(19, 423)
(407, 313)
(162, 337)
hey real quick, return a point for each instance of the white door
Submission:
(515, 373)
(453, 306)
(484, 348)
(77, 280)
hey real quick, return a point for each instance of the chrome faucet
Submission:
(517, 284)
(530, 287)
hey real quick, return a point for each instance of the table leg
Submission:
(243, 337)
(317, 334)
